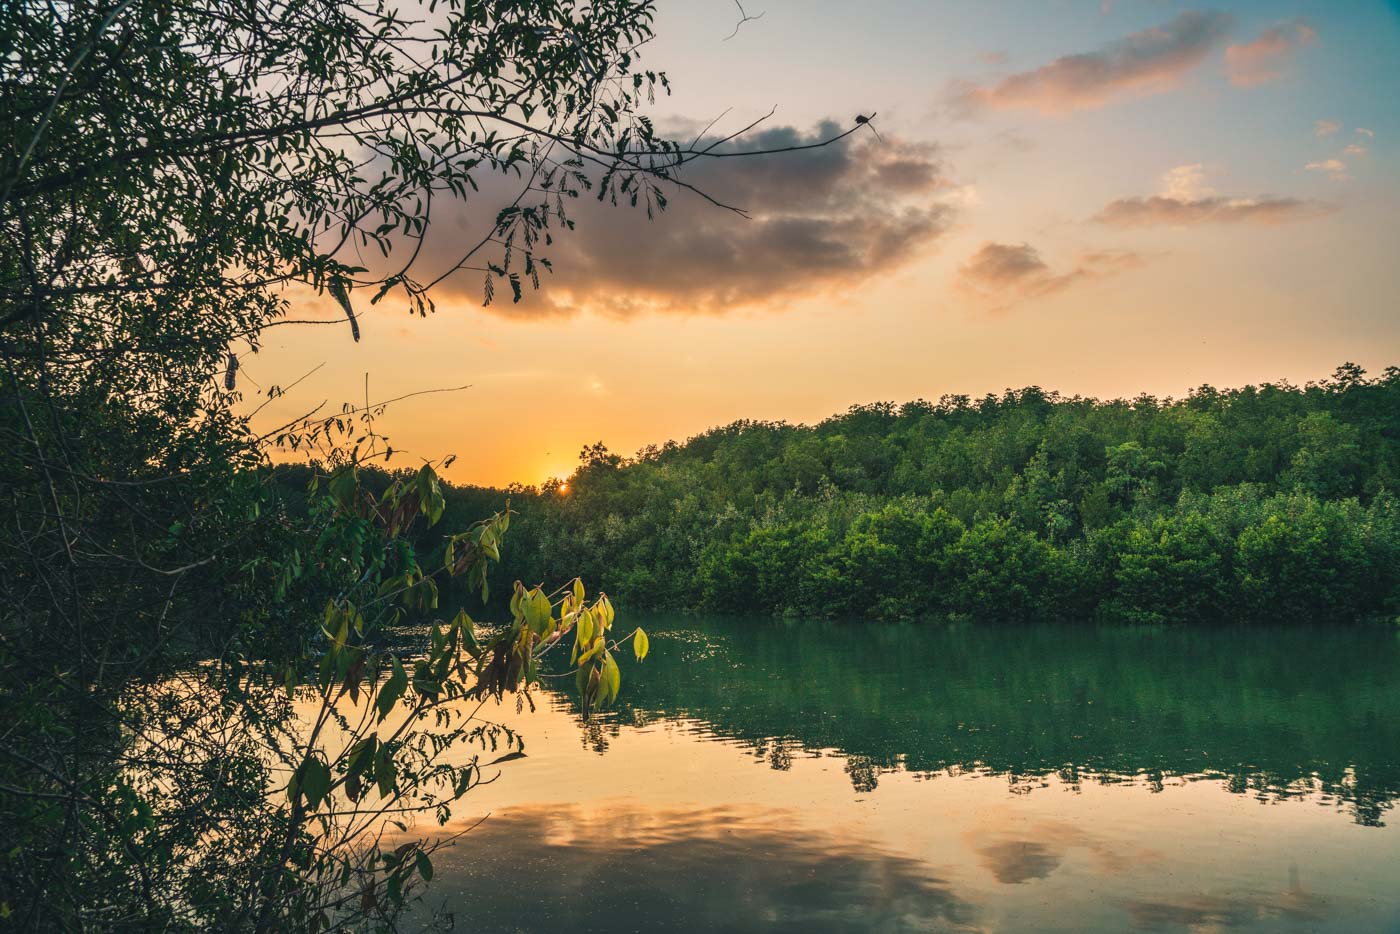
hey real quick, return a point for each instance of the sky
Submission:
(1099, 197)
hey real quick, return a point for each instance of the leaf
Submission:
(581, 682)
(597, 648)
(315, 780)
(344, 483)
(430, 498)
(464, 624)
(584, 632)
(508, 757)
(538, 612)
(360, 761)
(385, 771)
(425, 866)
(392, 690)
(612, 677)
(640, 644)
(342, 295)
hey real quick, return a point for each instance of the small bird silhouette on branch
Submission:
(863, 120)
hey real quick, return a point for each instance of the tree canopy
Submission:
(179, 641)
(1259, 503)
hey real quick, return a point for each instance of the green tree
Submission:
(1134, 510)
(176, 177)
(1171, 570)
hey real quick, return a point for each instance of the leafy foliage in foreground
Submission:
(1260, 503)
(187, 660)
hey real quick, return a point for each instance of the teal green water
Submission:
(812, 776)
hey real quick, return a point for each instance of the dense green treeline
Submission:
(1259, 503)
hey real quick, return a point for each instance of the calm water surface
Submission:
(809, 776)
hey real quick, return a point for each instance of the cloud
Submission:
(1254, 63)
(1186, 182)
(1182, 212)
(1355, 149)
(784, 873)
(1186, 200)
(1146, 62)
(1336, 169)
(1325, 128)
(1000, 275)
(820, 220)
(1016, 861)
(1362, 131)
(1034, 851)
(1239, 909)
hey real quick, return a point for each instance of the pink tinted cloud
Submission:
(1146, 62)
(1000, 275)
(1161, 210)
(1263, 60)
(1335, 169)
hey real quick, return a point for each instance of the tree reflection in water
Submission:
(1270, 712)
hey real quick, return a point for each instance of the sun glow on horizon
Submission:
(1098, 255)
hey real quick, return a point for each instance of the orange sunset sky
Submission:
(1102, 198)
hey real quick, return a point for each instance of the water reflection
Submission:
(1273, 713)
(571, 868)
(817, 777)
(1215, 912)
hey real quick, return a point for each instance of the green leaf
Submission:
(430, 498)
(385, 771)
(584, 631)
(315, 780)
(344, 483)
(425, 866)
(538, 612)
(596, 649)
(464, 624)
(612, 678)
(361, 760)
(581, 682)
(425, 681)
(392, 689)
(640, 644)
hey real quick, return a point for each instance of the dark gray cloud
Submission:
(1215, 209)
(1144, 62)
(822, 219)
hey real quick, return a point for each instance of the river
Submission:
(812, 776)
